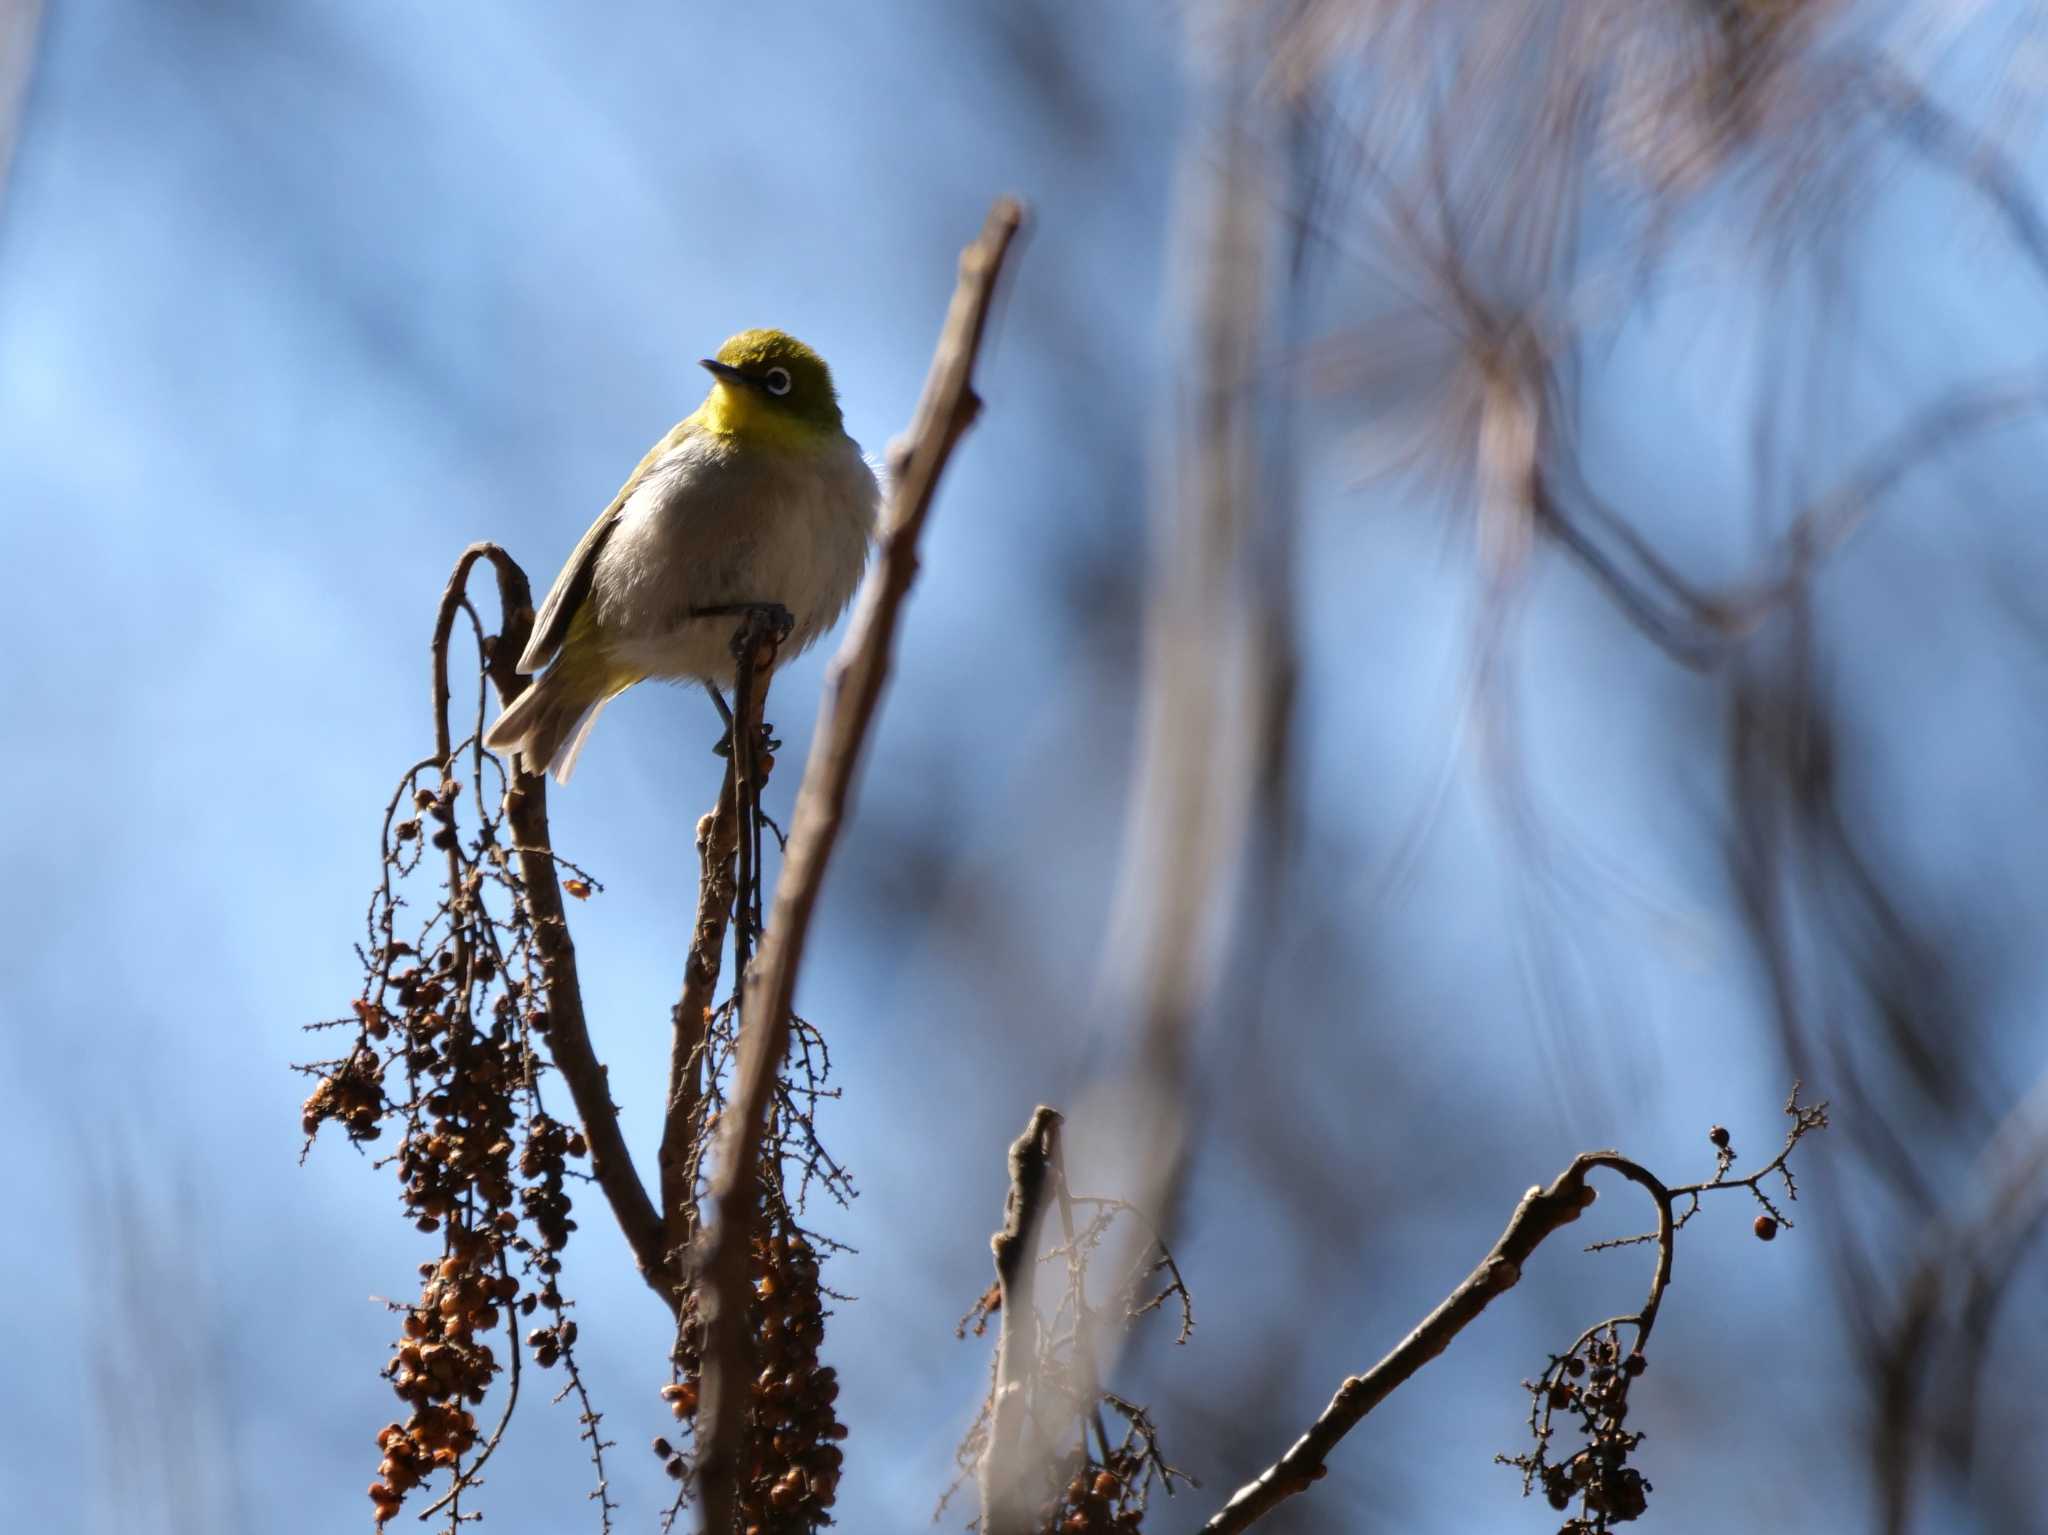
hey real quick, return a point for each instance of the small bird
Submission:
(758, 498)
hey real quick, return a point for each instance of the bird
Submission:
(758, 498)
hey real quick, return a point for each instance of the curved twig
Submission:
(526, 812)
(1539, 1215)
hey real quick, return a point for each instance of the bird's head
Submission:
(770, 383)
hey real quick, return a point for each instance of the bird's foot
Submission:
(779, 619)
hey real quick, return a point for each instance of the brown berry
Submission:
(1766, 1228)
(1719, 1136)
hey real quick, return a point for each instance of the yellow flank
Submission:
(588, 669)
(755, 418)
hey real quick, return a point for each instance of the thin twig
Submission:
(853, 688)
(723, 879)
(717, 845)
(1536, 1218)
(1540, 1214)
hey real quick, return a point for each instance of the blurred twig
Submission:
(20, 21)
(1217, 690)
(1010, 1456)
(1967, 1260)
(1942, 138)
(852, 693)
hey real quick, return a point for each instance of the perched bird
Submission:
(757, 498)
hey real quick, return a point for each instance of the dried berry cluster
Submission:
(351, 1093)
(1590, 1380)
(1101, 1499)
(449, 1031)
(795, 1431)
(443, 1051)
(1589, 1383)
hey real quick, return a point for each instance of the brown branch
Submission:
(1541, 1213)
(853, 687)
(717, 848)
(526, 812)
(1006, 1502)
(719, 887)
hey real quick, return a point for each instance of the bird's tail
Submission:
(548, 723)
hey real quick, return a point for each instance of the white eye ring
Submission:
(776, 380)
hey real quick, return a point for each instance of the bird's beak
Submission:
(724, 372)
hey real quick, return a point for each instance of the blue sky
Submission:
(295, 303)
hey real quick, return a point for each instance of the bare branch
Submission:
(1540, 1214)
(717, 850)
(1010, 1456)
(526, 812)
(853, 688)
(1536, 1218)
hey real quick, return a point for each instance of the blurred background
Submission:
(1495, 609)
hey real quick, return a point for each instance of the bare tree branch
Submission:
(526, 812)
(717, 851)
(1541, 1213)
(1006, 1464)
(853, 688)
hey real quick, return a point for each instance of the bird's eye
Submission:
(776, 380)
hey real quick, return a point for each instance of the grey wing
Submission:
(551, 624)
(572, 586)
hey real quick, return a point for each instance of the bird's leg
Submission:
(724, 746)
(780, 620)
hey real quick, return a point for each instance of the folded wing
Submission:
(572, 586)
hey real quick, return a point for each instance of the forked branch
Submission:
(526, 813)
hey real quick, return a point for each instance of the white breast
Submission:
(714, 525)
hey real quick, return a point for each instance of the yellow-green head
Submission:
(769, 384)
